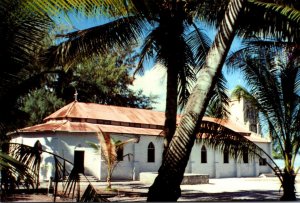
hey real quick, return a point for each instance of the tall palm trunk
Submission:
(166, 185)
(171, 107)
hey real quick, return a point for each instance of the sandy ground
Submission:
(225, 189)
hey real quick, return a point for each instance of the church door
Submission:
(79, 161)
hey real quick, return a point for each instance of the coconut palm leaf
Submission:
(14, 174)
(120, 33)
(22, 169)
(218, 103)
(219, 138)
(200, 44)
(272, 73)
(29, 156)
(91, 195)
(288, 11)
(18, 52)
(88, 7)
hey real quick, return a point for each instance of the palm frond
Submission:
(15, 174)
(186, 78)
(91, 195)
(219, 99)
(119, 33)
(120, 143)
(148, 50)
(200, 44)
(272, 71)
(29, 156)
(87, 7)
(287, 11)
(220, 138)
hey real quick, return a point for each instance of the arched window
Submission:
(151, 152)
(226, 156)
(245, 156)
(203, 154)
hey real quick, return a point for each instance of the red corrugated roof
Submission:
(108, 112)
(60, 121)
(67, 126)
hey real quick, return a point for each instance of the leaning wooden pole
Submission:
(166, 186)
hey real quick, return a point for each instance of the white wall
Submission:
(141, 154)
(202, 168)
(64, 146)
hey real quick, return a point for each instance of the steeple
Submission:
(75, 95)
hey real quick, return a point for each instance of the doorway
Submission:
(79, 161)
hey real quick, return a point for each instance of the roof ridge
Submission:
(127, 107)
(70, 108)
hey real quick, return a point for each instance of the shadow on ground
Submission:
(231, 196)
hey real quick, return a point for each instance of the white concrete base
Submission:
(188, 178)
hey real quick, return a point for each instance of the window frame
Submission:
(203, 155)
(151, 153)
(262, 161)
(226, 156)
(245, 157)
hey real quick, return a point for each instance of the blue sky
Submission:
(154, 76)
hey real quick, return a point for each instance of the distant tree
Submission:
(102, 79)
(40, 103)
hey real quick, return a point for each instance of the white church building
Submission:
(67, 132)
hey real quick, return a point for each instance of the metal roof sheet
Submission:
(67, 126)
(108, 112)
(59, 121)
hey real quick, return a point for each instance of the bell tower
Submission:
(245, 114)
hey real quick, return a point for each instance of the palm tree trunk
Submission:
(171, 106)
(166, 186)
(288, 185)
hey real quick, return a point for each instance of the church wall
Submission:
(64, 145)
(195, 160)
(267, 147)
(141, 154)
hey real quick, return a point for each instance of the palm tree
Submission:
(162, 28)
(18, 50)
(109, 149)
(273, 74)
(165, 186)
(137, 15)
(171, 171)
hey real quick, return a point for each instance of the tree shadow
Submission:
(242, 195)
